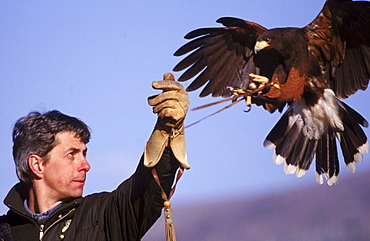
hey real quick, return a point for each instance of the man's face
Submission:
(66, 168)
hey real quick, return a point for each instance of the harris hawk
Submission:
(309, 69)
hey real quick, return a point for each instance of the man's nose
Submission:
(84, 165)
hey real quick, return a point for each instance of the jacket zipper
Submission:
(42, 232)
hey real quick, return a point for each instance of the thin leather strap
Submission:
(170, 228)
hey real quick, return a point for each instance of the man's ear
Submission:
(35, 163)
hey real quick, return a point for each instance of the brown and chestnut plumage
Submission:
(308, 68)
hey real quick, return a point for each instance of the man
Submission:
(50, 156)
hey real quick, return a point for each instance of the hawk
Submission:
(308, 69)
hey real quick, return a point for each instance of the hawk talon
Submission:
(277, 86)
(260, 79)
(237, 91)
(263, 80)
(249, 109)
(248, 101)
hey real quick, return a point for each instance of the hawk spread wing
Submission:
(309, 68)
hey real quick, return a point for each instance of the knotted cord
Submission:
(170, 227)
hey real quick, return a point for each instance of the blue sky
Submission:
(96, 60)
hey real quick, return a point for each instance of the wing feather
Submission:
(220, 55)
(340, 37)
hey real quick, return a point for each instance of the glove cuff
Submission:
(161, 138)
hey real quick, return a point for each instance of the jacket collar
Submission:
(16, 196)
(19, 192)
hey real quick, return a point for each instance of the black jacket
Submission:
(124, 214)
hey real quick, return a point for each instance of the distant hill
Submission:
(317, 213)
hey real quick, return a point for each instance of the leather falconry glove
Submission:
(171, 107)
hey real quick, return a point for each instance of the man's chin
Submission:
(73, 195)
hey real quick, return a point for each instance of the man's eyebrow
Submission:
(76, 149)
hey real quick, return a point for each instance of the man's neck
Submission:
(40, 216)
(39, 203)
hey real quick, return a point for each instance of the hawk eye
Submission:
(267, 40)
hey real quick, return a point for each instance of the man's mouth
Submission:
(79, 180)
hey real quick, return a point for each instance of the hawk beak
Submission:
(260, 45)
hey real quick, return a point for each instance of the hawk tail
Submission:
(300, 135)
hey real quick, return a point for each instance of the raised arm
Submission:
(137, 203)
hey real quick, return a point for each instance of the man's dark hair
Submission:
(35, 133)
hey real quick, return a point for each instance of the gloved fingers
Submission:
(166, 104)
(167, 85)
(170, 109)
(168, 95)
(172, 104)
